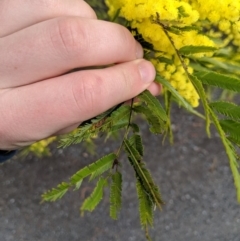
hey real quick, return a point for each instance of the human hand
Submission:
(40, 42)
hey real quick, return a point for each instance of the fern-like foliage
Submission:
(156, 124)
(231, 128)
(116, 195)
(188, 50)
(154, 105)
(219, 80)
(227, 109)
(56, 193)
(95, 169)
(136, 141)
(105, 123)
(94, 199)
(145, 206)
(179, 99)
(201, 92)
(142, 174)
(231, 153)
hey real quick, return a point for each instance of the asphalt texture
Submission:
(193, 175)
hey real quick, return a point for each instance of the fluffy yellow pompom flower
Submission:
(151, 18)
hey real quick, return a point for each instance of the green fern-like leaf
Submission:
(116, 195)
(136, 142)
(219, 80)
(95, 169)
(231, 128)
(201, 92)
(228, 109)
(156, 124)
(56, 193)
(177, 96)
(135, 127)
(168, 102)
(225, 67)
(165, 60)
(102, 123)
(96, 196)
(145, 206)
(153, 104)
(231, 153)
(191, 49)
(143, 174)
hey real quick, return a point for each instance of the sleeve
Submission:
(5, 155)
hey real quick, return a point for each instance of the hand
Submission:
(40, 42)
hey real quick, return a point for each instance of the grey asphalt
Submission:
(193, 175)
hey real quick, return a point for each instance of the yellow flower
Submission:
(221, 19)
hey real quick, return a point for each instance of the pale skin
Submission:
(40, 42)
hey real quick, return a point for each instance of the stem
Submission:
(127, 130)
(203, 99)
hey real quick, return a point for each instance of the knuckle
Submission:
(126, 77)
(86, 93)
(69, 35)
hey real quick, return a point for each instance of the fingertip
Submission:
(146, 70)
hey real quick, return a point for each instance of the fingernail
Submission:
(139, 51)
(147, 71)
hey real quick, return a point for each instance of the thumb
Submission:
(99, 90)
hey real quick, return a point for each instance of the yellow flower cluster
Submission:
(145, 15)
(176, 75)
(223, 14)
(40, 148)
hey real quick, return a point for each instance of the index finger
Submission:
(54, 47)
(17, 14)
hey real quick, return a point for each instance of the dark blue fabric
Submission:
(5, 155)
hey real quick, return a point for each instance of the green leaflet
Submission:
(156, 125)
(143, 174)
(182, 12)
(136, 142)
(135, 127)
(232, 128)
(84, 131)
(223, 66)
(201, 92)
(102, 123)
(153, 104)
(219, 80)
(189, 28)
(56, 193)
(226, 108)
(191, 49)
(231, 153)
(96, 196)
(178, 97)
(95, 169)
(116, 195)
(198, 66)
(165, 60)
(145, 206)
(78, 185)
(168, 101)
